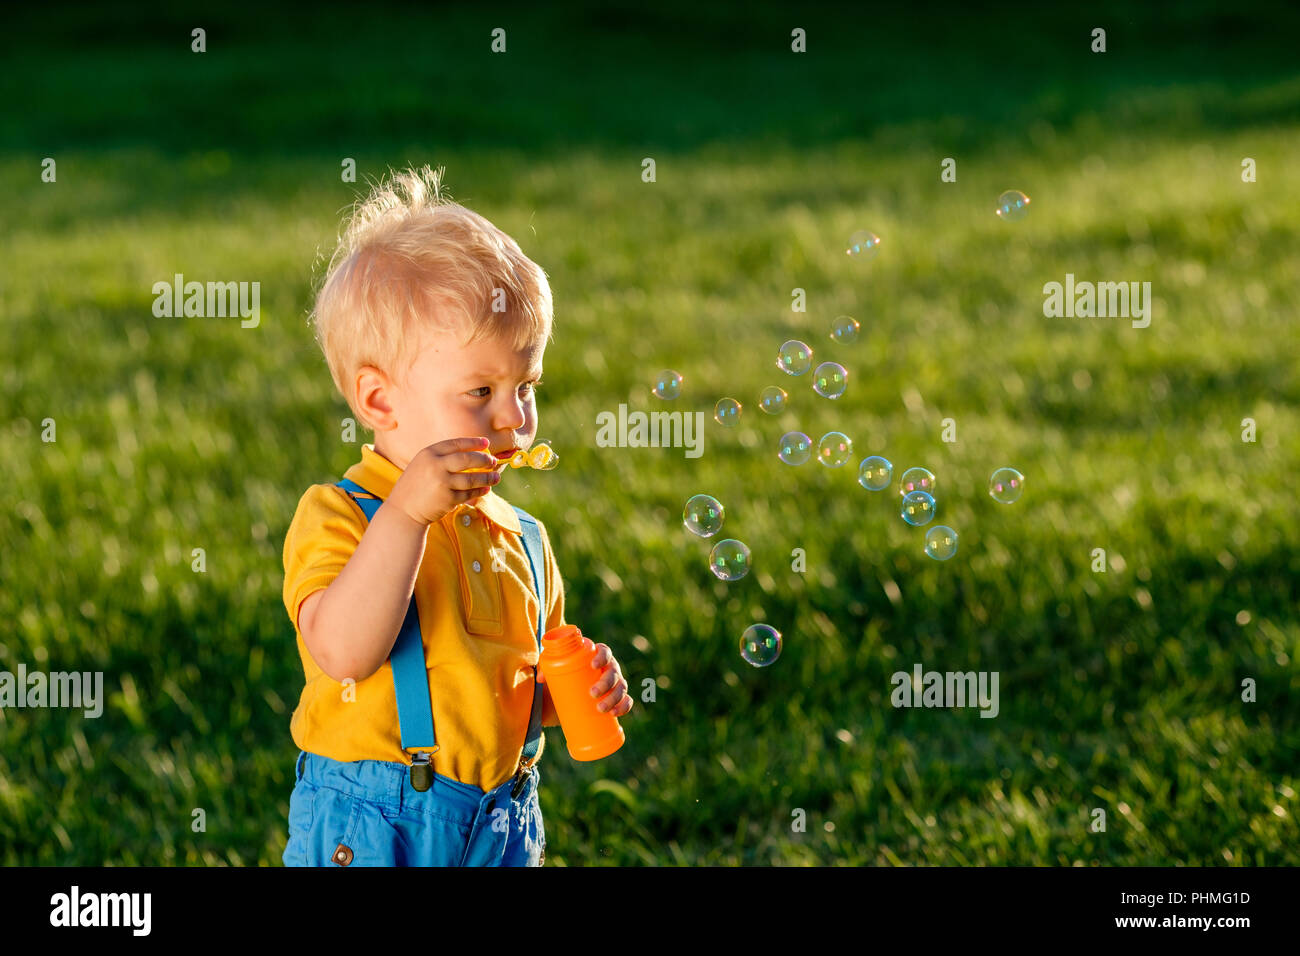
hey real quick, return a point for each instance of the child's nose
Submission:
(510, 416)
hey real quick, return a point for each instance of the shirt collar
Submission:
(378, 475)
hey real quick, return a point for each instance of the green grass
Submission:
(1118, 690)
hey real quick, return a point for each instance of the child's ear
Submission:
(372, 398)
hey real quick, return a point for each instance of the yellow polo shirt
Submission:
(478, 626)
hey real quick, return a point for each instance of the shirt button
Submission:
(477, 566)
(465, 520)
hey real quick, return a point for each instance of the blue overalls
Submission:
(385, 813)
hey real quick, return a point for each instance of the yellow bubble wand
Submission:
(541, 457)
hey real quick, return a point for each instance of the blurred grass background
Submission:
(1119, 691)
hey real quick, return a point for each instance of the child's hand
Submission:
(433, 483)
(618, 702)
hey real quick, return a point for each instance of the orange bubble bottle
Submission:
(566, 669)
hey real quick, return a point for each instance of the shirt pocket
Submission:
(481, 594)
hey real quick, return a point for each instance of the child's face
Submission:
(453, 390)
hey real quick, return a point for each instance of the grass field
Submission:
(1119, 690)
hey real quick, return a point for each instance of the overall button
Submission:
(477, 567)
(465, 520)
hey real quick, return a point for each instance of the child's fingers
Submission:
(452, 445)
(469, 481)
(606, 681)
(615, 696)
(460, 461)
(473, 494)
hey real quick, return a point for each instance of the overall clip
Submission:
(421, 772)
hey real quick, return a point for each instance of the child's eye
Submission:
(483, 390)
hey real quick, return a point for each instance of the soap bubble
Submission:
(543, 457)
(703, 515)
(772, 400)
(863, 244)
(916, 479)
(726, 412)
(796, 448)
(845, 329)
(834, 449)
(668, 384)
(1013, 205)
(729, 559)
(760, 645)
(918, 508)
(1006, 484)
(830, 380)
(875, 473)
(795, 357)
(941, 542)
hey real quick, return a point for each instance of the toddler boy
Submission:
(412, 586)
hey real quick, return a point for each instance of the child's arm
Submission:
(351, 626)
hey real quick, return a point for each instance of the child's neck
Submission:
(382, 448)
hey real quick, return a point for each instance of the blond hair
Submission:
(408, 260)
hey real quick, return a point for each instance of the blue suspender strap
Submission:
(410, 675)
(533, 547)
